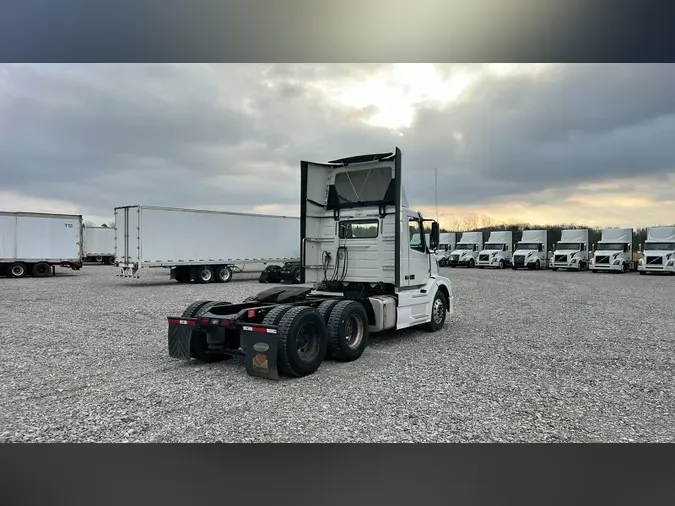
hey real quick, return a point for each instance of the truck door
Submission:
(417, 261)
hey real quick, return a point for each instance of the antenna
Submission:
(436, 189)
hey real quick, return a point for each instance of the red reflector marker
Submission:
(251, 313)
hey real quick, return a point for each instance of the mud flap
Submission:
(180, 334)
(261, 345)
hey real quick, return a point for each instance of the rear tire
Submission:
(204, 274)
(223, 274)
(347, 330)
(192, 309)
(302, 341)
(42, 270)
(17, 270)
(438, 313)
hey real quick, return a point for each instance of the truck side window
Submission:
(416, 232)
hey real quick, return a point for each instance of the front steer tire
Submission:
(438, 313)
(302, 341)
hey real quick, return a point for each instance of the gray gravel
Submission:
(527, 356)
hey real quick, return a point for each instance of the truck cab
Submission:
(658, 253)
(571, 252)
(466, 251)
(531, 251)
(498, 251)
(614, 252)
(446, 245)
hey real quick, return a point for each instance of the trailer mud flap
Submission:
(261, 344)
(180, 334)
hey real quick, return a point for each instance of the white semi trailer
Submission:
(498, 250)
(466, 251)
(99, 245)
(571, 252)
(203, 246)
(614, 252)
(531, 250)
(33, 244)
(658, 254)
(365, 253)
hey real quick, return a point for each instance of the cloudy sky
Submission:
(543, 143)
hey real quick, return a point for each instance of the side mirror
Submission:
(435, 235)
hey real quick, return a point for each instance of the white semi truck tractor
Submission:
(498, 250)
(363, 252)
(466, 251)
(658, 251)
(614, 252)
(571, 252)
(531, 250)
(447, 243)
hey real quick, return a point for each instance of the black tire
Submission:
(347, 331)
(41, 270)
(593, 271)
(192, 309)
(223, 274)
(501, 264)
(325, 309)
(439, 312)
(276, 314)
(17, 270)
(302, 341)
(204, 274)
(513, 267)
(99, 260)
(472, 264)
(554, 268)
(481, 266)
(643, 273)
(296, 272)
(441, 262)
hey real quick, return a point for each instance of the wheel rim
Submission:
(307, 342)
(17, 270)
(205, 275)
(438, 311)
(41, 269)
(297, 275)
(501, 264)
(99, 259)
(354, 330)
(225, 274)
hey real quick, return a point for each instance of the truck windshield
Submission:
(494, 246)
(660, 246)
(527, 246)
(610, 246)
(465, 247)
(574, 246)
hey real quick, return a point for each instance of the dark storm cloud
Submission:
(233, 135)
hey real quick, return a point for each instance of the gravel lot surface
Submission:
(527, 356)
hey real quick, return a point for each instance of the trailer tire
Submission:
(42, 270)
(438, 313)
(17, 270)
(204, 274)
(99, 259)
(347, 331)
(223, 274)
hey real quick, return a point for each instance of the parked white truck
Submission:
(658, 251)
(364, 251)
(99, 245)
(447, 243)
(531, 250)
(33, 244)
(466, 251)
(571, 252)
(498, 250)
(203, 246)
(614, 252)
